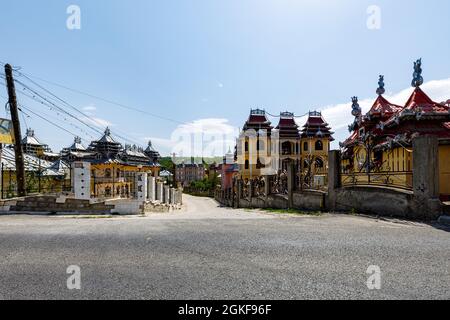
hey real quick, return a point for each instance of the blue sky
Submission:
(195, 60)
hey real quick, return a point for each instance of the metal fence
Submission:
(35, 183)
(401, 180)
(123, 186)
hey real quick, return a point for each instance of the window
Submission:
(246, 146)
(319, 145)
(286, 148)
(108, 173)
(247, 164)
(305, 146)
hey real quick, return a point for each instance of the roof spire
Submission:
(356, 109)
(417, 75)
(381, 90)
(107, 131)
(30, 132)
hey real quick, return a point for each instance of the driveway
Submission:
(208, 252)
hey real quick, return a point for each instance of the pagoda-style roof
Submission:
(77, 145)
(287, 126)
(106, 145)
(151, 152)
(420, 101)
(107, 138)
(257, 120)
(383, 108)
(419, 106)
(316, 126)
(30, 139)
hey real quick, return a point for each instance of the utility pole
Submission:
(20, 167)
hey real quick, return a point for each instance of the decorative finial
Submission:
(107, 131)
(77, 140)
(417, 75)
(381, 90)
(30, 132)
(356, 109)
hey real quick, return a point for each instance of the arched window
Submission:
(319, 145)
(107, 173)
(246, 146)
(305, 146)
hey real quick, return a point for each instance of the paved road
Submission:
(207, 252)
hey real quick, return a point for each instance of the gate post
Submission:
(426, 178)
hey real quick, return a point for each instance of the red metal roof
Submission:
(384, 108)
(420, 100)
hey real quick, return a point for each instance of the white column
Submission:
(151, 188)
(82, 180)
(160, 191)
(167, 194)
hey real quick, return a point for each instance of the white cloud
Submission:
(97, 122)
(203, 137)
(339, 115)
(90, 108)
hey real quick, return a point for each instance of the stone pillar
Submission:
(167, 194)
(141, 186)
(151, 188)
(426, 178)
(239, 193)
(160, 191)
(291, 184)
(172, 196)
(267, 185)
(334, 177)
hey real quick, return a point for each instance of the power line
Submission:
(74, 108)
(104, 99)
(41, 117)
(45, 119)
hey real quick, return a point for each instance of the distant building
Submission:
(229, 169)
(185, 174)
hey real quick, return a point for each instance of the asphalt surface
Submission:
(208, 252)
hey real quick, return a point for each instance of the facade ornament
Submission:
(417, 75)
(381, 89)
(419, 114)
